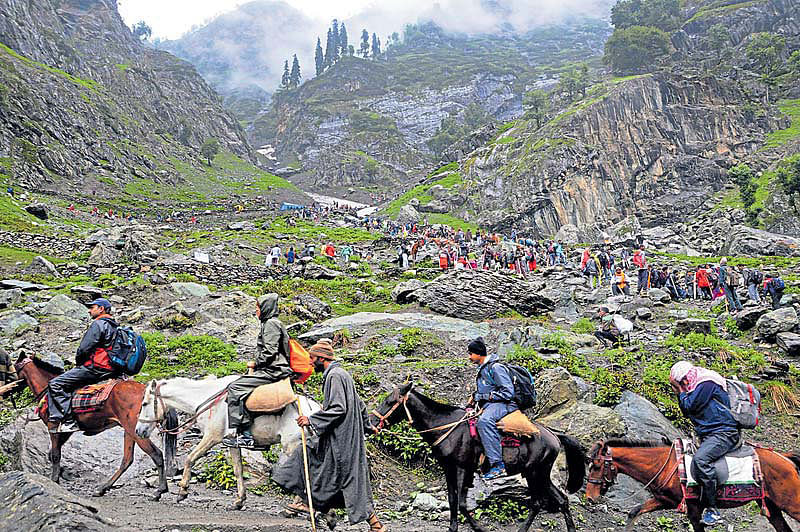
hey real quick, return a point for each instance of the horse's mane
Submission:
(41, 364)
(435, 406)
(626, 442)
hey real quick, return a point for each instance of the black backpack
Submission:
(756, 277)
(524, 385)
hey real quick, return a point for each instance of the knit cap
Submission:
(322, 349)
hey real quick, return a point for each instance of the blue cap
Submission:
(100, 302)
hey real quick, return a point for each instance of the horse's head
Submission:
(602, 471)
(22, 360)
(152, 411)
(391, 409)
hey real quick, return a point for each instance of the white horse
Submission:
(189, 396)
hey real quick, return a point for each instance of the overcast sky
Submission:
(172, 18)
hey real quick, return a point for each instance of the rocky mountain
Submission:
(83, 102)
(657, 146)
(240, 53)
(370, 123)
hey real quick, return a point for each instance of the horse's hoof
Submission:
(182, 496)
(157, 496)
(237, 506)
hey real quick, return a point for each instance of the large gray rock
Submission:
(777, 321)
(9, 298)
(33, 502)
(690, 325)
(555, 390)
(408, 214)
(643, 419)
(405, 292)
(189, 289)
(458, 330)
(15, 323)
(480, 295)
(63, 307)
(37, 209)
(744, 240)
(789, 342)
(586, 422)
(41, 266)
(435, 206)
(311, 308)
(659, 295)
(25, 286)
(568, 234)
(104, 255)
(746, 319)
(241, 226)
(313, 270)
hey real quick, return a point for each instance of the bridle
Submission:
(398, 400)
(186, 425)
(605, 465)
(159, 401)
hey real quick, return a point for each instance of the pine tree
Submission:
(335, 36)
(364, 51)
(294, 77)
(319, 58)
(286, 76)
(376, 46)
(343, 45)
(329, 46)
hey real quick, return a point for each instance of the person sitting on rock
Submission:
(92, 365)
(620, 284)
(703, 397)
(774, 286)
(608, 328)
(272, 365)
(495, 394)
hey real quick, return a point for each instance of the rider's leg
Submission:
(59, 394)
(490, 436)
(712, 448)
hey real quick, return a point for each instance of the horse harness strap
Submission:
(186, 425)
(451, 426)
(383, 417)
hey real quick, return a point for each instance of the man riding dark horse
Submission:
(703, 398)
(92, 365)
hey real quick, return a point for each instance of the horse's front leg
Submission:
(650, 505)
(453, 489)
(694, 514)
(463, 476)
(238, 470)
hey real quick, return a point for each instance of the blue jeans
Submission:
(712, 448)
(732, 297)
(752, 291)
(643, 277)
(487, 429)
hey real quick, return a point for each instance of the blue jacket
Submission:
(494, 383)
(703, 407)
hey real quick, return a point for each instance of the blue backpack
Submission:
(128, 351)
(778, 283)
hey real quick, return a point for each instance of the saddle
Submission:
(87, 399)
(270, 398)
(739, 477)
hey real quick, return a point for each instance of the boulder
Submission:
(435, 206)
(104, 254)
(568, 234)
(41, 266)
(15, 323)
(690, 325)
(643, 420)
(241, 226)
(408, 214)
(405, 292)
(747, 241)
(658, 295)
(586, 422)
(776, 321)
(425, 502)
(37, 209)
(87, 292)
(33, 502)
(9, 298)
(63, 307)
(25, 286)
(311, 308)
(789, 342)
(189, 289)
(746, 319)
(315, 271)
(555, 390)
(644, 313)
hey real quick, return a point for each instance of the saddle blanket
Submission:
(740, 470)
(93, 397)
(740, 475)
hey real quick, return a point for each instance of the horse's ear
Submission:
(22, 356)
(406, 387)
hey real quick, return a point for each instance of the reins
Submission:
(186, 425)
(607, 482)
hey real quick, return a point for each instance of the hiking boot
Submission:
(495, 472)
(67, 425)
(711, 517)
(242, 441)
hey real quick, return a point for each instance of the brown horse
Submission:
(121, 408)
(654, 465)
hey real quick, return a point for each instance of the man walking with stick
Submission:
(337, 459)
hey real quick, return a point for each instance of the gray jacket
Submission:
(272, 359)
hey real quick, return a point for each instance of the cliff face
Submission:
(81, 99)
(656, 146)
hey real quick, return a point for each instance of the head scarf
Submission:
(695, 375)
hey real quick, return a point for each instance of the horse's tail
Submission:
(170, 441)
(576, 462)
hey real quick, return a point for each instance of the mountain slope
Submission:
(84, 103)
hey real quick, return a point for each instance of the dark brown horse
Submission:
(121, 408)
(443, 428)
(654, 465)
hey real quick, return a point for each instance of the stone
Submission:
(555, 390)
(311, 308)
(9, 298)
(408, 214)
(643, 420)
(690, 325)
(586, 422)
(104, 271)
(15, 323)
(405, 292)
(659, 295)
(202, 258)
(103, 254)
(189, 289)
(37, 209)
(435, 206)
(89, 292)
(776, 321)
(62, 306)
(747, 241)
(33, 502)
(568, 234)
(25, 286)
(241, 226)
(459, 330)
(644, 313)
(746, 319)
(41, 266)
(789, 342)
(425, 502)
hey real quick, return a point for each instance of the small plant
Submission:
(218, 472)
(583, 326)
(501, 510)
(403, 441)
(665, 524)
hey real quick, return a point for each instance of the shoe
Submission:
(495, 472)
(65, 426)
(711, 517)
(240, 441)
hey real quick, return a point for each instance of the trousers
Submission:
(642, 284)
(487, 429)
(752, 292)
(732, 297)
(238, 392)
(712, 448)
(59, 390)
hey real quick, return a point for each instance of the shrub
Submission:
(583, 326)
(634, 50)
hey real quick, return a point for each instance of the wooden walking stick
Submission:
(305, 469)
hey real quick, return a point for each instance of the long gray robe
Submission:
(338, 457)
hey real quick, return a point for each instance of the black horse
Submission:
(444, 429)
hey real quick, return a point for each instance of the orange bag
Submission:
(300, 361)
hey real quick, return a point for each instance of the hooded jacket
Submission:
(272, 359)
(93, 349)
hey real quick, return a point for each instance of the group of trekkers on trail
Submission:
(337, 466)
